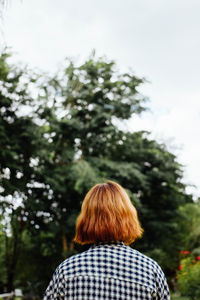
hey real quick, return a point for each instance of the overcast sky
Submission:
(157, 39)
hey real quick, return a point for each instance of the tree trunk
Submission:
(71, 246)
(11, 255)
(64, 243)
(11, 261)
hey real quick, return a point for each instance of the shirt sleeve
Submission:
(162, 292)
(55, 289)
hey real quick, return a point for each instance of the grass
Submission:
(177, 296)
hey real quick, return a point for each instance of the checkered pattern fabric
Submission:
(108, 272)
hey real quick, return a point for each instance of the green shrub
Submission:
(189, 278)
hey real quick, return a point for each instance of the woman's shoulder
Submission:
(148, 261)
(120, 254)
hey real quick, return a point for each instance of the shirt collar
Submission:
(118, 244)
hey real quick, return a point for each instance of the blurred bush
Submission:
(189, 278)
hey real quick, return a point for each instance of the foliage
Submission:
(18, 140)
(176, 296)
(189, 278)
(190, 226)
(59, 135)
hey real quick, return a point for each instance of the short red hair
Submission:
(107, 215)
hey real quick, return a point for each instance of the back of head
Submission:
(107, 215)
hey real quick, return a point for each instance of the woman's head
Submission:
(107, 215)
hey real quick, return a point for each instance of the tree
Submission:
(68, 141)
(18, 141)
(87, 97)
(86, 146)
(190, 227)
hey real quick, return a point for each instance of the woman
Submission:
(110, 269)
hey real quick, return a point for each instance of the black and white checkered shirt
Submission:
(108, 271)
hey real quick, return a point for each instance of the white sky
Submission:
(158, 39)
